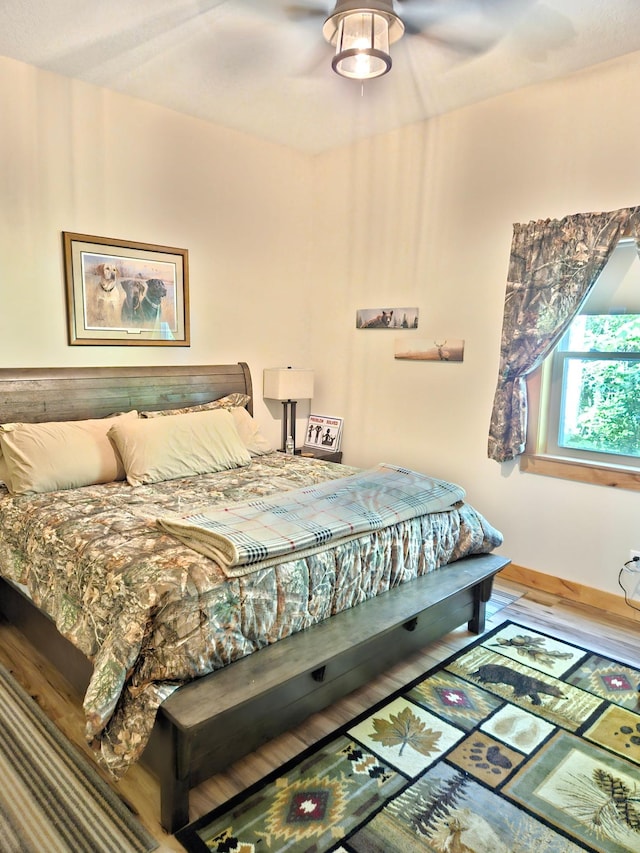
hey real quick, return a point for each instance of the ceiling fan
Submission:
(362, 30)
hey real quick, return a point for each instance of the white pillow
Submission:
(57, 455)
(249, 432)
(156, 449)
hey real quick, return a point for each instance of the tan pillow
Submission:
(4, 471)
(249, 433)
(157, 449)
(60, 454)
(228, 402)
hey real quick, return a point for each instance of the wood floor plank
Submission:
(609, 634)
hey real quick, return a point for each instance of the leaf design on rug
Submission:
(405, 728)
(533, 648)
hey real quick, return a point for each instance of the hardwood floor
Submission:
(609, 634)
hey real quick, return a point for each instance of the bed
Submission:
(201, 669)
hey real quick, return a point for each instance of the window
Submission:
(595, 390)
(585, 403)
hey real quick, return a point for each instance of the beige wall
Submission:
(284, 248)
(77, 158)
(427, 220)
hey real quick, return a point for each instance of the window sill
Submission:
(583, 472)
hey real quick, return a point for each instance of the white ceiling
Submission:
(262, 66)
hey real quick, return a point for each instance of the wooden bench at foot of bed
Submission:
(209, 723)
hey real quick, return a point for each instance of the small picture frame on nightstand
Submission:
(323, 432)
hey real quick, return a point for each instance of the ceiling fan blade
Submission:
(501, 14)
(465, 45)
(501, 8)
(315, 10)
(466, 27)
(121, 38)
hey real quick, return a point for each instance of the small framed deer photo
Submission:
(387, 318)
(124, 293)
(443, 349)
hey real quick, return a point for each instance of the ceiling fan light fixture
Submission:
(362, 47)
(362, 35)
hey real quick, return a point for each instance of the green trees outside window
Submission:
(598, 365)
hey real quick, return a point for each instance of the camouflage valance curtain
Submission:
(553, 266)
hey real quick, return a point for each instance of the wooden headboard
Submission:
(33, 395)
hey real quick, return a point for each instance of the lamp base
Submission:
(288, 422)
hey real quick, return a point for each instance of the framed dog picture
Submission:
(125, 293)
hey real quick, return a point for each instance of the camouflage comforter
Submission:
(151, 613)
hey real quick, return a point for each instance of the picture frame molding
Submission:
(169, 327)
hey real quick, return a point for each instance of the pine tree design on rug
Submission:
(519, 742)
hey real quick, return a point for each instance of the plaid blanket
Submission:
(248, 536)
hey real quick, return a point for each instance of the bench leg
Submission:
(481, 594)
(174, 803)
(170, 764)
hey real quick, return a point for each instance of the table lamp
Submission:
(288, 384)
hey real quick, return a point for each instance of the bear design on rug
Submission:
(523, 685)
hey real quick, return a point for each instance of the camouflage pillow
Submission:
(231, 401)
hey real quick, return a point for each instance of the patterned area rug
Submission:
(51, 799)
(518, 743)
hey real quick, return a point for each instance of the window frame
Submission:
(536, 460)
(539, 456)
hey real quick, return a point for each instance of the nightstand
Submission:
(321, 453)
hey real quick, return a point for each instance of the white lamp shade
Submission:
(288, 383)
